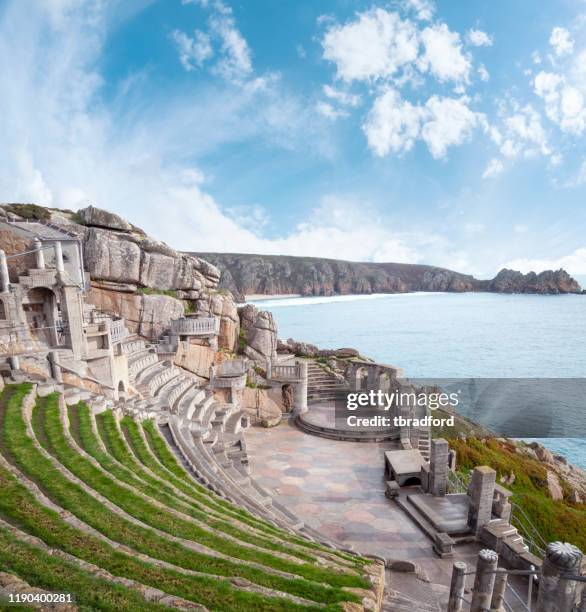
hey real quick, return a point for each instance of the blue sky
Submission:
(448, 133)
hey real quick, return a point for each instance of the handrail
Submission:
(456, 483)
(528, 530)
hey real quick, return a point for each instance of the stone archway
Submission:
(384, 382)
(287, 397)
(361, 379)
(41, 310)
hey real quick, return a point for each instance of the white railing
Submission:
(118, 330)
(39, 278)
(190, 326)
(286, 372)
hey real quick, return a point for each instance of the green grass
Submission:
(135, 476)
(530, 490)
(182, 480)
(42, 570)
(150, 514)
(19, 507)
(29, 211)
(73, 498)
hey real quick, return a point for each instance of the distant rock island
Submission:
(245, 274)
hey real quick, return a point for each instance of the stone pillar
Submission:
(72, 309)
(481, 492)
(39, 255)
(14, 362)
(557, 594)
(56, 372)
(59, 256)
(4, 278)
(498, 595)
(438, 463)
(456, 601)
(300, 391)
(484, 580)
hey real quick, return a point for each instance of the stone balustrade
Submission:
(118, 330)
(286, 372)
(191, 326)
(39, 278)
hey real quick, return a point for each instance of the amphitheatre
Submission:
(161, 449)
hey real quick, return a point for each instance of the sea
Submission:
(479, 336)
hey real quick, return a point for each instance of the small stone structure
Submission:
(481, 493)
(438, 473)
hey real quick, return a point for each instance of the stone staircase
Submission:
(322, 385)
(424, 443)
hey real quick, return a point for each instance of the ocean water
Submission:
(447, 335)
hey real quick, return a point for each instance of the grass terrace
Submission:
(112, 503)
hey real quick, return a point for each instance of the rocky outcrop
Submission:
(259, 333)
(305, 349)
(147, 315)
(547, 282)
(280, 275)
(221, 304)
(98, 217)
(130, 258)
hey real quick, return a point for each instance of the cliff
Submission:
(281, 274)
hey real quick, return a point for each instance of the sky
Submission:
(447, 133)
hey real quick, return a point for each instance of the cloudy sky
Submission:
(450, 133)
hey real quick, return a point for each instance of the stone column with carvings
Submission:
(484, 580)
(39, 255)
(556, 593)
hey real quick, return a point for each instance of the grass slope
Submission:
(18, 506)
(555, 520)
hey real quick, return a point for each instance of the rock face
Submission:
(147, 315)
(550, 282)
(222, 305)
(260, 333)
(102, 218)
(129, 258)
(279, 275)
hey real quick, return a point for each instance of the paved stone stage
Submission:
(321, 420)
(338, 487)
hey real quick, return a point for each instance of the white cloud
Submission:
(564, 102)
(423, 9)
(443, 55)
(573, 263)
(520, 229)
(374, 46)
(524, 134)
(343, 97)
(449, 122)
(393, 124)
(478, 38)
(329, 111)
(483, 73)
(234, 57)
(494, 168)
(193, 52)
(236, 62)
(561, 41)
